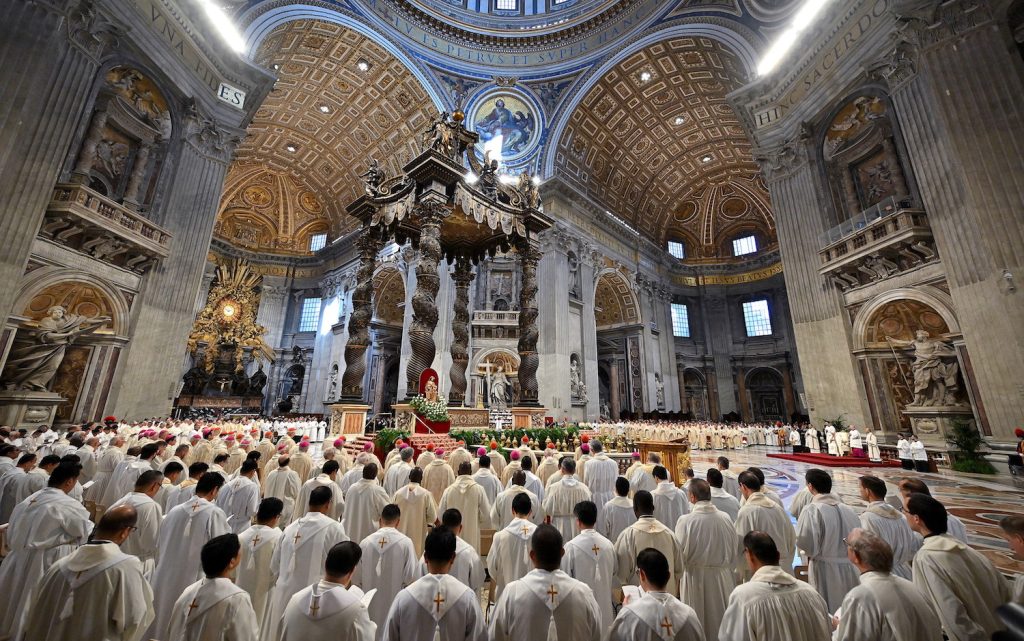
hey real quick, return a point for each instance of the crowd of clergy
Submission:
(143, 532)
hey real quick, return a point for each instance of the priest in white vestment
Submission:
(548, 465)
(283, 483)
(730, 482)
(397, 475)
(183, 533)
(884, 607)
(501, 509)
(214, 608)
(96, 593)
(761, 514)
(657, 615)
(388, 564)
(509, 557)
(647, 532)
(954, 526)
(511, 468)
(590, 558)
(468, 566)
(546, 604)
(641, 478)
(364, 503)
(470, 499)
(724, 501)
(9, 485)
(106, 463)
(601, 474)
(327, 478)
(617, 514)
(887, 522)
(299, 557)
(240, 497)
(773, 605)
(331, 609)
(962, 584)
(710, 549)
(1013, 532)
(258, 544)
(561, 496)
(43, 529)
(144, 540)
(487, 479)
(821, 533)
(437, 477)
(437, 605)
(669, 501)
(419, 512)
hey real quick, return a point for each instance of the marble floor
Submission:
(979, 503)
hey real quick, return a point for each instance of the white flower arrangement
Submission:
(436, 411)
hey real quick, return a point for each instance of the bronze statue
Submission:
(372, 179)
(37, 353)
(489, 179)
(194, 380)
(257, 382)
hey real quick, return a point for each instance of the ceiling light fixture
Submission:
(679, 120)
(275, 66)
(645, 76)
(325, 109)
(805, 15)
(706, 159)
(291, 148)
(363, 65)
(222, 22)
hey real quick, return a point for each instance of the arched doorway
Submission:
(696, 390)
(765, 390)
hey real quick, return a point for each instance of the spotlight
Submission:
(291, 148)
(363, 65)
(679, 120)
(645, 76)
(706, 159)
(325, 109)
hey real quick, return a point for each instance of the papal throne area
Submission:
(511, 320)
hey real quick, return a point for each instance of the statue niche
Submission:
(39, 350)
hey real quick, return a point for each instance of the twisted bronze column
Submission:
(369, 244)
(528, 334)
(463, 276)
(424, 299)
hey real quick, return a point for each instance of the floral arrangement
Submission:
(436, 411)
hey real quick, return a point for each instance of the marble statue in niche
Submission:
(577, 387)
(499, 389)
(332, 384)
(574, 275)
(38, 352)
(934, 367)
(659, 391)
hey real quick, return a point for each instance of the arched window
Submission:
(677, 249)
(744, 245)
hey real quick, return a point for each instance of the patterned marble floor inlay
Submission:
(980, 504)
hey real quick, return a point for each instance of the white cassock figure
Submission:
(831, 441)
(364, 503)
(299, 557)
(184, 532)
(388, 564)
(327, 611)
(418, 510)
(710, 551)
(213, 610)
(812, 440)
(546, 605)
(468, 567)
(888, 523)
(397, 476)
(761, 514)
(590, 558)
(283, 483)
(657, 616)
(509, 557)
(647, 532)
(669, 501)
(617, 514)
(601, 474)
(96, 592)
(253, 573)
(437, 477)
(45, 528)
(820, 532)
(561, 497)
(487, 479)
(469, 498)
(437, 606)
(774, 605)
(337, 510)
(501, 509)
(871, 441)
(240, 498)
(144, 541)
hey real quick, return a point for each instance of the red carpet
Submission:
(834, 461)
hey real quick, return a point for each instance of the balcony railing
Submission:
(495, 318)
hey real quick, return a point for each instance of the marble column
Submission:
(131, 192)
(165, 308)
(613, 383)
(49, 56)
(741, 390)
(529, 256)
(369, 244)
(410, 257)
(87, 154)
(424, 305)
(463, 276)
(956, 88)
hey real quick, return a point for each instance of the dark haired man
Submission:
(761, 514)
(670, 502)
(821, 533)
(330, 609)
(363, 504)
(418, 507)
(647, 532)
(547, 603)
(143, 540)
(617, 514)
(328, 477)
(508, 559)
(258, 544)
(590, 557)
(214, 604)
(887, 522)
(389, 563)
(437, 605)
(657, 615)
(240, 498)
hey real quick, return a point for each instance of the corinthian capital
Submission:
(783, 160)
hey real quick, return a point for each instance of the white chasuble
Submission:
(213, 610)
(96, 592)
(590, 558)
(820, 532)
(559, 500)
(669, 503)
(239, 498)
(327, 612)
(298, 562)
(616, 515)
(775, 606)
(760, 513)
(888, 523)
(253, 573)
(364, 502)
(44, 528)
(469, 498)
(509, 558)
(647, 532)
(388, 564)
(143, 542)
(710, 550)
(337, 506)
(284, 484)
(885, 607)
(184, 532)
(501, 509)
(658, 616)
(546, 606)
(419, 512)
(437, 607)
